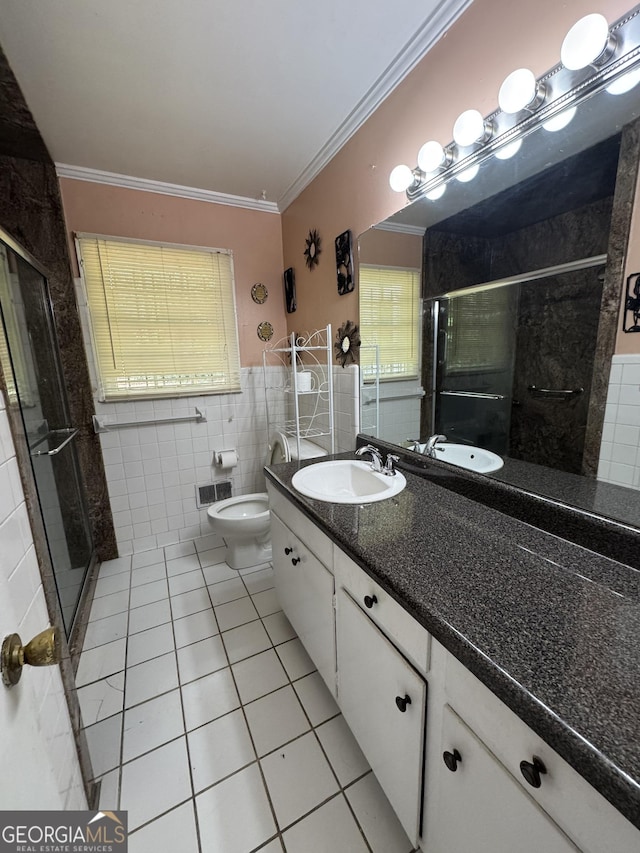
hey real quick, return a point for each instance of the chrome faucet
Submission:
(376, 457)
(430, 447)
(388, 469)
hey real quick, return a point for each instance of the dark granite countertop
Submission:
(618, 503)
(552, 628)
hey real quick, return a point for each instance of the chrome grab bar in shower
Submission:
(553, 393)
(473, 394)
(70, 433)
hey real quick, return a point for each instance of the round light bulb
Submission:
(585, 42)
(431, 156)
(469, 128)
(508, 150)
(625, 83)
(400, 178)
(518, 91)
(468, 174)
(437, 193)
(560, 121)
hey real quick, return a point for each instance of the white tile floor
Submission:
(207, 721)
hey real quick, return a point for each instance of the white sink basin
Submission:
(346, 481)
(469, 457)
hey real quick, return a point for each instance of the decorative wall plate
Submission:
(265, 331)
(347, 345)
(313, 249)
(259, 293)
(344, 263)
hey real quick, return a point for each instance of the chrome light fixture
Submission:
(432, 156)
(561, 120)
(625, 83)
(520, 91)
(588, 42)
(594, 57)
(468, 174)
(471, 128)
(509, 151)
(401, 178)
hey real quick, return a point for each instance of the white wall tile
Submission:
(620, 449)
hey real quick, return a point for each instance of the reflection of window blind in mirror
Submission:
(475, 330)
(13, 367)
(390, 318)
(163, 318)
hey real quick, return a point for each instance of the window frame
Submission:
(397, 377)
(104, 395)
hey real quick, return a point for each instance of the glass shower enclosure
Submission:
(29, 356)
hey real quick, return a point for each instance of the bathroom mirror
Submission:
(521, 272)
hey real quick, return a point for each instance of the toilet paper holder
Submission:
(225, 458)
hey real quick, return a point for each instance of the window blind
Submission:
(14, 368)
(163, 318)
(390, 317)
(476, 325)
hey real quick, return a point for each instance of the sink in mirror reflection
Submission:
(346, 481)
(466, 456)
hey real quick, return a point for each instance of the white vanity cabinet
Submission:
(383, 658)
(305, 587)
(480, 798)
(383, 699)
(379, 662)
(479, 806)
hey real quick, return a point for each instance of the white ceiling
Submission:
(236, 97)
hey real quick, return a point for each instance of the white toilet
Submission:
(243, 522)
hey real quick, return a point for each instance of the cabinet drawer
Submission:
(397, 624)
(480, 806)
(304, 528)
(584, 814)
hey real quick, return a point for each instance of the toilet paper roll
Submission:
(226, 459)
(304, 380)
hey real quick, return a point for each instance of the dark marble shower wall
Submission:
(31, 212)
(557, 323)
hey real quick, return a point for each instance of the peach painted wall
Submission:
(255, 237)
(464, 70)
(390, 249)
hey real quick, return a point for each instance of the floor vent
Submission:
(212, 492)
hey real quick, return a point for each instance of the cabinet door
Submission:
(372, 675)
(480, 806)
(305, 590)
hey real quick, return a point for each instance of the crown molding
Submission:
(96, 176)
(401, 228)
(440, 20)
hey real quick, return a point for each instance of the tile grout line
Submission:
(124, 690)
(312, 729)
(184, 718)
(246, 722)
(290, 683)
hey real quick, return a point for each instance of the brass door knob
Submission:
(43, 650)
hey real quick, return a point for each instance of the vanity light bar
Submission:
(611, 56)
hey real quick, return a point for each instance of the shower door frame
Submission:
(70, 647)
